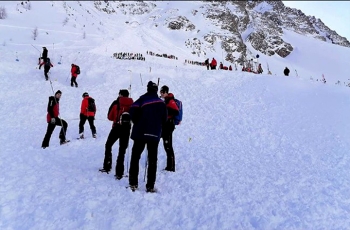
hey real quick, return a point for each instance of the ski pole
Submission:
(146, 163)
(141, 79)
(130, 81)
(158, 81)
(60, 60)
(17, 57)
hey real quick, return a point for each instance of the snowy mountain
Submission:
(254, 151)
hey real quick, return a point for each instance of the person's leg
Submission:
(92, 126)
(152, 148)
(81, 124)
(46, 141)
(111, 139)
(123, 145)
(136, 152)
(64, 126)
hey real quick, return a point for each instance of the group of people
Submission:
(45, 61)
(162, 55)
(129, 56)
(149, 118)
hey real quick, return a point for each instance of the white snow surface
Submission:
(253, 151)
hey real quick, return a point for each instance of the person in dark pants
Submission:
(169, 127)
(286, 71)
(73, 80)
(118, 113)
(148, 113)
(87, 113)
(207, 63)
(53, 120)
(47, 65)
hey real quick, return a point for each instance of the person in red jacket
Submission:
(118, 112)
(169, 127)
(230, 68)
(213, 64)
(53, 111)
(73, 80)
(87, 113)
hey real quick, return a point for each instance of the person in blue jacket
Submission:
(148, 114)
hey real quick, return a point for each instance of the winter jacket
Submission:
(149, 114)
(230, 68)
(115, 111)
(53, 108)
(74, 71)
(171, 106)
(213, 62)
(84, 108)
(44, 55)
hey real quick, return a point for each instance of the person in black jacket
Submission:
(53, 119)
(44, 55)
(148, 113)
(47, 65)
(286, 71)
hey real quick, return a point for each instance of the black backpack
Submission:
(91, 105)
(77, 69)
(125, 118)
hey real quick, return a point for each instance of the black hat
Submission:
(164, 89)
(58, 92)
(85, 94)
(152, 87)
(124, 92)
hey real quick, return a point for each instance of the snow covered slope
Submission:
(253, 151)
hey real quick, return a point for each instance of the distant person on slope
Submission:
(169, 127)
(73, 80)
(47, 65)
(260, 70)
(213, 64)
(53, 111)
(207, 63)
(118, 112)
(286, 71)
(87, 112)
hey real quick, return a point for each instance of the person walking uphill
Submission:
(74, 71)
(148, 113)
(286, 71)
(169, 127)
(44, 55)
(53, 111)
(47, 65)
(118, 113)
(87, 112)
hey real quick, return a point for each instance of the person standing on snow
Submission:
(53, 111)
(73, 80)
(213, 63)
(87, 113)
(47, 65)
(286, 71)
(118, 112)
(148, 113)
(169, 127)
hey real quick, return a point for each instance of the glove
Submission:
(53, 120)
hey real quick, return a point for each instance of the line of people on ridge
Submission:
(170, 56)
(152, 118)
(129, 56)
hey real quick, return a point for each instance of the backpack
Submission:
(91, 105)
(178, 118)
(125, 118)
(77, 71)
